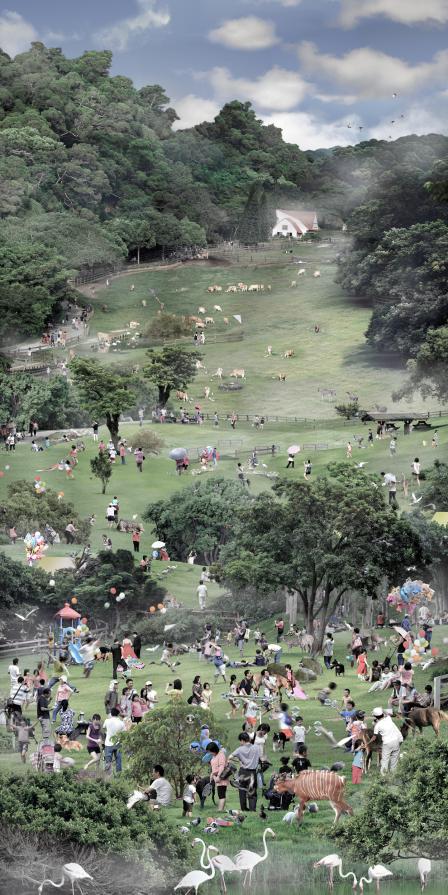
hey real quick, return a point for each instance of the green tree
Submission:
(166, 735)
(136, 234)
(102, 469)
(21, 585)
(29, 510)
(102, 391)
(377, 832)
(428, 372)
(254, 225)
(436, 485)
(319, 540)
(171, 368)
(199, 517)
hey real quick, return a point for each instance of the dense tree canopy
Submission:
(171, 368)
(319, 540)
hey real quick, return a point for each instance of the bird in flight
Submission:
(23, 618)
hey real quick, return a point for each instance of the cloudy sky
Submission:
(326, 71)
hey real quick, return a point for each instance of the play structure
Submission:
(68, 625)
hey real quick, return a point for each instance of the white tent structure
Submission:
(294, 223)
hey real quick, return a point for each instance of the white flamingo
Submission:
(247, 860)
(424, 868)
(334, 862)
(222, 863)
(195, 878)
(376, 873)
(72, 872)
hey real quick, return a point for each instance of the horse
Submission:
(418, 718)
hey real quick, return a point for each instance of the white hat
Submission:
(148, 683)
(63, 678)
(378, 712)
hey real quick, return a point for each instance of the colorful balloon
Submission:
(74, 600)
(113, 590)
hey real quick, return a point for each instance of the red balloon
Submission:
(422, 634)
(113, 590)
(37, 478)
(1, 473)
(435, 651)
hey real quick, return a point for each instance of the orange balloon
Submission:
(74, 600)
(152, 608)
(160, 606)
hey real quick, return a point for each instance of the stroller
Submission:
(45, 758)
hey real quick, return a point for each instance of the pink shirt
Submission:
(63, 692)
(217, 764)
(136, 709)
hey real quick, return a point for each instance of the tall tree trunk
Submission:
(138, 254)
(164, 393)
(113, 424)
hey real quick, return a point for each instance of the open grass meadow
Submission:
(310, 841)
(334, 358)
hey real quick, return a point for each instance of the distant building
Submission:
(294, 223)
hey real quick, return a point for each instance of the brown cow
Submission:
(316, 786)
(418, 718)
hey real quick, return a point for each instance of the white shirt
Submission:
(202, 590)
(13, 672)
(151, 697)
(163, 789)
(389, 731)
(112, 726)
(299, 733)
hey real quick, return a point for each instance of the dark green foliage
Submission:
(29, 511)
(88, 814)
(409, 818)
(20, 584)
(348, 411)
(436, 485)
(171, 368)
(169, 326)
(428, 373)
(102, 469)
(103, 392)
(166, 734)
(319, 539)
(255, 225)
(52, 402)
(200, 517)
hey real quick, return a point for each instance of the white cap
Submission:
(378, 712)
(63, 678)
(148, 683)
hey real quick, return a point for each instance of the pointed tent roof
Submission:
(67, 612)
(302, 220)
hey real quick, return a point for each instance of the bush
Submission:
(348, 411)
(29, 511)
(149, 441)
(169, 326)
(165, 736)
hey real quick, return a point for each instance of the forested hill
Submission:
(91, 170)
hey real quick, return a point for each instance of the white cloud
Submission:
(371, 73)
(277, 89)
(118, 36)
(408, 12)
(193, 110)
(249, 33)
(16, 33)
(310, 133)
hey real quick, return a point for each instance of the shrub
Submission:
(150, 442)
(29, 511)
(348, 411)
(169, 326)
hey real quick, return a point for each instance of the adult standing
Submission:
(116, 657)
(290, 463)
(137, 644)
(111, 698)
(218, 765)
(248, 755)
(95, 430)
(136, 537)
(391, 740)
(43, 713)
(280, 625)
(328, 650)
(357, 646)
(141, 414)
(196, 691)
(112, 748)
(70, 532)
(202, 594)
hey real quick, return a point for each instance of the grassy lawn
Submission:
(135, 491)
(336, 357)
(311, 839)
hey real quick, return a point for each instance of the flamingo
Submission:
(195, 878)
(72, 872)
(247, 860)
(424, 868)
(377, 873)
(222, 863)
(334, 862)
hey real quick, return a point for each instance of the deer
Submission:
(316, 786)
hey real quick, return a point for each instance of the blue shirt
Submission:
(358, 759)
(348, 714)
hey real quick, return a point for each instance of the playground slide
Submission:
(75, 654)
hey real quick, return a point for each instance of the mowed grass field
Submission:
(310, 841)
(336, 357)
(159, 480)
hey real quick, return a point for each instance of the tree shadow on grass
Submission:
(367, 357)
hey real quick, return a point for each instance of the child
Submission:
(188, 795)
(346, 696)
(93, 740)
(324, 694)
(301, 761)
(207, 694)
(285, 723)
(250, 714)
(361, 666)
(358, 762)
(299, 732)
(285, 767)
(349, 712)
(136, 709)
